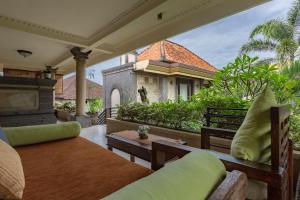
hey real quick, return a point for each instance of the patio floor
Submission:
(97, 134)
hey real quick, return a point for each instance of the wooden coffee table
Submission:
(129, 142)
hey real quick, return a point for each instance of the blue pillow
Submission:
(3, 137)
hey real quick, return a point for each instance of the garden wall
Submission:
(192, 139)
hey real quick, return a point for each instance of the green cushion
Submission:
(194, 176)
(252, 141)
(25, 135)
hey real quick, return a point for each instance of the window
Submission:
(154, 80)
(146, 79)
(184, 88)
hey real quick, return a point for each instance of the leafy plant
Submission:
(95, 105)
(295, 130)
(245, 79)
(68, 106)
(177, 114)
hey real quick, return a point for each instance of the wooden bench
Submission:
(278, 175)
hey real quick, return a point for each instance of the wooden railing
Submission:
(224, 118)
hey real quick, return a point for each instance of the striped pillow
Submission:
(12, 181)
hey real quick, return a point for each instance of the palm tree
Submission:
(278, 36)
(292, 71)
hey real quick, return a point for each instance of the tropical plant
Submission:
(278, 35)
(295, 130)
(287, 85)
(177, 114)
(68, 106)
(95, 105)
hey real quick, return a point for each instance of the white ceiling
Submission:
(50, 28)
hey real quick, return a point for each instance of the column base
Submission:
(84, 120)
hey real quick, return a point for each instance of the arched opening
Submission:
(115, 98)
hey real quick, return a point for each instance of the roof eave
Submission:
(171, 69)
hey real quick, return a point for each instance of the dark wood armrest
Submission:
(161, 147)
(297, 196)
(233, 187)
(206, 132)
(257, 171)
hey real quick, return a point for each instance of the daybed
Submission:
(75, 168)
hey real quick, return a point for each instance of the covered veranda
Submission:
(65, 36)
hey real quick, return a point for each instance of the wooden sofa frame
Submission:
(233, 187)
(278, 175)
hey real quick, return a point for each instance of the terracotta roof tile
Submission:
(171, 52)
(69, 92)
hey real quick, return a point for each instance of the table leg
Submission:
(110, 148)
(132, 158)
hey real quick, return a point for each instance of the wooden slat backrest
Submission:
(280, 179)
(279, 136)
(281, 150)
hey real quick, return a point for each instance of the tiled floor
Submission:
(97, 134)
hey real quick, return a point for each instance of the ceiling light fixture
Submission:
(24, 53)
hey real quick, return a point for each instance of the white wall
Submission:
(152, 87)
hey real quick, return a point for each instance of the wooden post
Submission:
(208, 117)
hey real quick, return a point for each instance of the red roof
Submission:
(171, 52)
(69, 93)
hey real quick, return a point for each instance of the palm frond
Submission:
(292, 70)
(264, 61)
(293, 13)
(258, 45)
(286, 49)
(275, 29)
(296, 25)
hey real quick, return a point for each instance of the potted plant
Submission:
(94, 107)
(143, 131)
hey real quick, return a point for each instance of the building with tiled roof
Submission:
(171, 52)
(166, 69)
(94, 90)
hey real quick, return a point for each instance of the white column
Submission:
(80, 58)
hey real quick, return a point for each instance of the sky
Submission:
(219, 42)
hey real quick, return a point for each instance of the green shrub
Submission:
(95, 105)
(179, 114)
(295, 130)
(68, 106)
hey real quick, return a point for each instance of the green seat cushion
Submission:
(25, 135)
(194, 176)
(252, 140)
